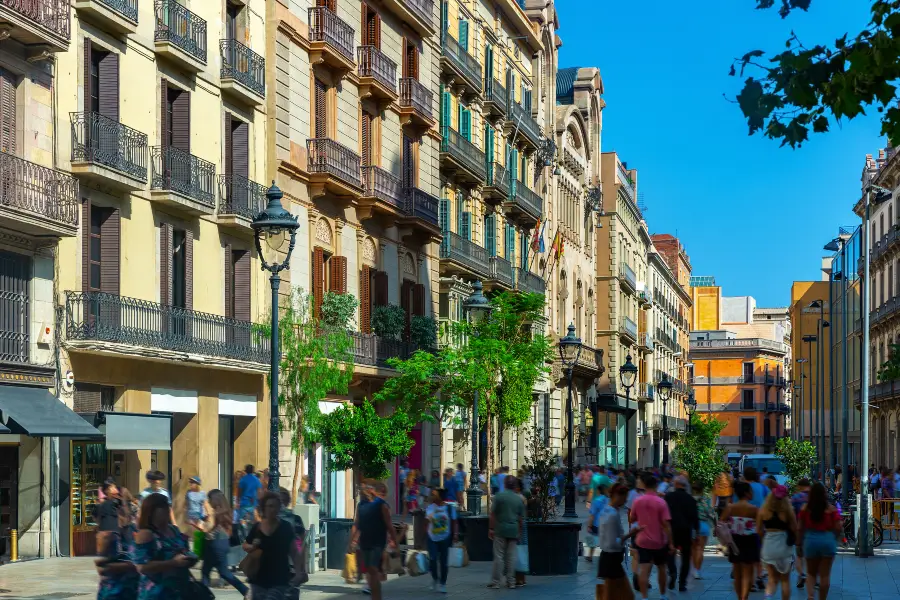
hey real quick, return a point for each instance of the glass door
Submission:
(89, 468)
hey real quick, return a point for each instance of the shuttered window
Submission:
(490, 234)
(100, 248)
(241, 261)
(465, 127)
(406, 302)
(460, 199)
(371, 27)
(165, 264)
(466, 229)
(444, 214)
(89, 398)
(488, 65)
(365, 134)
(108, 85)
(240, 148)
(176, 120)
(15, 277)
(7, 112)
(365, 299)
(179, 268)
(488, 142)
(510, 243)
(464, 34)
(409, 163)
(338, 268)
(445, 109)
(229, 281)
(318, 284)
(329, 4)
(445, 18)
(176, 266)
(410, 59)
(381, 288)
(321, 109)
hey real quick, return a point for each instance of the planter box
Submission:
(553, 548)
(479, 547)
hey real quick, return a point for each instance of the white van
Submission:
(773, 465)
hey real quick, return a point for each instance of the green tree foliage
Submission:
(698, 452)
(890, 369)
(542, 462)
(338, 310)
(423, 331)
(358, 438)
(388, 321)
(797, 456)
(805, 87)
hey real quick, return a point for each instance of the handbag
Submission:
(350, 573)
(195, 590)
(723, 534)
(250, 564)
(392, 563)
(522, 559)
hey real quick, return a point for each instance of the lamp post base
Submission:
(473, 500)
(570, 501)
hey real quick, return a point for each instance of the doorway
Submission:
(9, 495)
(226, 455)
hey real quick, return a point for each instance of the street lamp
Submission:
(628, 373)
(691, 405)
(272, 226)
(820, 383)
(478, 309)
(664, 388)
(569, 351)
(810, 340)
(799, 411)
(838, 244)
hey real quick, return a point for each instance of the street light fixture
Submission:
(628, 373)
(691, 404)
(271, 226)
(478, 309)
(664, 387)
(820, 383)
(799, 411)
(838, 244)
(569, 351)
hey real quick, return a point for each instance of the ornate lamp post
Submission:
(664, 387)
(569, 351)
(691, 405)
(272, 226)
(477, 308)
(628, 374)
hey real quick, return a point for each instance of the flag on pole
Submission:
(541, 240)
(536, 238)
(554, 248)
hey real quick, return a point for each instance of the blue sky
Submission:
(749, 212)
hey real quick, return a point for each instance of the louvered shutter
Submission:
(321, 123)
(444, 214)
(381, 288)
(466, 126)
(404, 64)
(8, 112)
(318, 272)
(406, 302)
(374, 29)
(164, 111)
(365, 133)
(414, 61)
(459, 212)
(165, 264)
(364, 21)
(86, 83)
(241, 285)
(338, 274)
(329, 4)
(229, 146)
(490, 234)
(488, 66)
(85, 244)
(110, 245)
(488, 142)
(419, 299)
(365, 299)
(509, 242)
(109, 86)
(445, 18)
(528, 100)
(229, 282)
(181, 121)
(464, 34)
(466, 231)
(241, 149)
(445, 110)
(189, 268)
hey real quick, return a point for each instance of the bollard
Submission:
(13, 545)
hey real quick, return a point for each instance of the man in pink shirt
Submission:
(654, 542)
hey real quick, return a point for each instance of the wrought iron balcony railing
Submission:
(498, 177)
(466, 252)
(328, 156)
(383, 185)
(464, 152)
(494, 92)
(102, 317)
(51, 14)
(646, 341)
(416, 96)
(501, 270)
(527, 281)
(518, 116)
(626, 274)
(178, 171)
(103, 141)
(625, 181)
(629, 328)
(243, 65)
(530, 201)
(325, 26)
(181, 27)
(40, 190)
(375, 64)
(421, 205)
(370, 349)
(465, 63)
(240, 196)
(126, 8)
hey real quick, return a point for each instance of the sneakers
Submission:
(698, 575)
(434, 585)
(493, 586)
(682, 588)
(442, 589)
(801, 581)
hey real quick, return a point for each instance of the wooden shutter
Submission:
(86, 84)
(241, 268)
(464, 34)
(365, 133)
(85, 244)
(110, 245)
(329, 4)
(229, 146)
(321, 109)
(338, 274)
(7, 112)
(490, 234)
(109, 86)
(365, 299)
(404, 64)
(164, 111)
(444, 214)
(229, 282)
(466, 124)
(381, 288)
(372, 28)
(419, 299)
(364, 30)
(181, 121)
(405, 301)
(318, 280)
(466, 230)
(241, 148)
(189, 268)
(165, 264)
(445, 109)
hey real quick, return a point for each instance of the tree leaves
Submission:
(797, 457)
(698, 451)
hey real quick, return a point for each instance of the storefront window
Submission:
(89, 469)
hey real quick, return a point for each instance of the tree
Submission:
(797, 457)
(698, 451)
(803, 87)
(542, 462)
(358, 438)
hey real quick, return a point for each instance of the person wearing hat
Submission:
(155, 486)
(197, 510)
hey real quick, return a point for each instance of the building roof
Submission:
(565, 85)
(703, 281)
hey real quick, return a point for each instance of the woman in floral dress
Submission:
(160, 552)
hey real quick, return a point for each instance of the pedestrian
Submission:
(249, 488)
(522, 546)
(434, 482)
(741, 518)
(685, 527)
(798, 500)
(612, 581)
(633, 494)
(655, 541)
(160, 552)
(777, 525)
(196, 511)
(442, 532)
(462, 482)
(666, 485)
(299, 527)
(707, 516)
(760, 492)
(505, 528)
(218, 529)
(155, 480)
(402, 474)
(560, 482)
(452, 491)
(600, 499)
(820, 526)
(115, 545)
(412, 492)
(375, 531)
(274, 538)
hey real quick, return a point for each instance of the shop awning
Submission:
(129, 431)
(38, 413)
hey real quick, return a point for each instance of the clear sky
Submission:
(751, 213)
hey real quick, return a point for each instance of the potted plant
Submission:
(388, 321)
(337, 310)
(423, 332)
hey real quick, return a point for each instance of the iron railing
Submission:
(645, 340)
(375, 64)
(740, 343)
(328, 156)
(421, 8)
(528, 127)
(416, 96)
(465, 63)
(629, 328)
(243, 65)
(126, 8)
(370, 349)
(383, 185)
(325, 26)
(101, 140)
(421, 205)
(38, 189)
(464, 152)
(465, 252)
(529, 282)
(182, 28)
(495, 93)
(625, 181)
(178, 171)
(530, 201)
(50, 14)
(104, 317)
(498, 177)
(646, 390)
(240, 196)
(14, 326)
(501, 270)
(627, 276)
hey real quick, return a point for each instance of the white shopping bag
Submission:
(522, 559)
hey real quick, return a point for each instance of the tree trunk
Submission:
(298, 470)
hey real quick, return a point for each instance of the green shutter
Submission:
(490, 234)
(513, 170)
(510, 244)
(445, 18)
(464, 34)
(466, 231)
(488, 143)
(444, 214)
(445, 110)
(488, 65)
(523, 241)
(459, 211)
(465, 123)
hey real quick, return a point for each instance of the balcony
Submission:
(496, 184)
(243, 73)
(625, 181)
(180, 35)
(627, 277)
(461, 158)
(526, 281)
(377, 75)
(330, 40)
(529, 130)
(628, 330)
(462, 256)
(382, 194)
(880, 315)
(739, 345)
(333, 169)
(371, 350)
(37, 200)
(418, 14)
(646, 392)
(464, 66)
(645, 342)
(421, 214)
(644, 298)
(119, 17)
(525, 202)
(182, 180)
(495, 98)
(108, 153)
(240, 200)
(415, 104)
(501, 273)
(590, 362)
(43, 23)
(101, 322)
(882, 246)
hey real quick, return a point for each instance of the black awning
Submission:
(38, 413)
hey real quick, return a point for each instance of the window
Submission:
(237, 147)
(370, 33)
(98, 215)
(748, 372)
(410, 65)
(15, 276)
(748, 431)
(179, 274)
(89, 398)
(176, 121)
(366, 126)
(321, 110)
(176, 266)
(747, 399)
(232, 22)
(8, 135)
(101, 81)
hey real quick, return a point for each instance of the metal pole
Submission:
(800, 411)
(275, 280)
(473, 494)
(570, 477)
(820, 392)
(831, 442)
(665, 439)
(864, 548)
(846, 484)
(627, 416)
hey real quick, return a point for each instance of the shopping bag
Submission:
(522, 559)
(417, 564)
(392, 563)
(350, 573)
(465, 555)
(456, 556)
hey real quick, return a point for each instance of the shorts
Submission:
(611, 566)
(747, 549)
(819, 544)
(705, 529)
(655, 556)
(372, 557)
